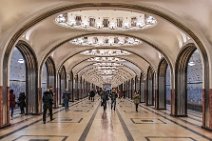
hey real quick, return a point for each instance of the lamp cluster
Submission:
(105, 20)
(106, 41)
(105, 52)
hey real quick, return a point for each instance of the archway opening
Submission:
(51, 81)
(62, 83)
(17, 78)
(163, 97)
(30, 82)
(194, 83)
(168, 86)
(43, 81)
(150, 85)
(186, 73)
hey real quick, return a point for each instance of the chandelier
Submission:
(108, 19)
(105, 52)
(101, 40)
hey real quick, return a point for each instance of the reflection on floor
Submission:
(86, 120)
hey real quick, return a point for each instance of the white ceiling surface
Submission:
(45, 35)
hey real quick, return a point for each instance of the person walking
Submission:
(22, 102)
(47, 105)
(104, 98)
(114, 95)
(136, 98)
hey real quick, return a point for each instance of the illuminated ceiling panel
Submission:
(105, 59)
(105, 20)
(101, 40)
(105, 52)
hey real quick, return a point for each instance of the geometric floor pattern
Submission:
(40, 138)
(87, 121)
(170, 139)
(147, 121)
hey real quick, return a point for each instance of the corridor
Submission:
(86, 121)
(153, 56)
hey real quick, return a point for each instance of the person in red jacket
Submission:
(12, 102)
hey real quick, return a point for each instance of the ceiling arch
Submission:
(134, 64)
(147, 9)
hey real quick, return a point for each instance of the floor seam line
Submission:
(124, 126)
(88, 126)
(28, 125)
(193, 131)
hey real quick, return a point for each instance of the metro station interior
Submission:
(160, 49)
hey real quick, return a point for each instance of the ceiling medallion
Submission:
(101, 40)
(110, 19)
(105, 52)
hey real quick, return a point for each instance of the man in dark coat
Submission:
(22, 102)
(92, 94)
(113, 97)
(47, 104)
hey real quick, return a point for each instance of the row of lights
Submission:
(106, 41)
(105, 59)
(105, 52)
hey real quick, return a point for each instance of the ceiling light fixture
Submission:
(95, 20)
(21, 61)
(101, 40)
(105, 52)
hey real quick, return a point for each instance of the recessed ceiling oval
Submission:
(107, 19)
(105, 59)
(104, 40)
(105, 52)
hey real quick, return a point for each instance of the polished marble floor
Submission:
(86, 120)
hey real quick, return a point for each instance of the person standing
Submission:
(114, 95)
(92, 95)
(47, 105)
(66, 96)
(22, 102)
(136, 98)
(53, 96)
(12, 102)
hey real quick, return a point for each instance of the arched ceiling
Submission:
(164, 39)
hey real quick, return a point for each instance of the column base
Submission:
(178, 115)
(206, 128)
(4, 126)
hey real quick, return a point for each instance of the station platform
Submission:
(87, 121)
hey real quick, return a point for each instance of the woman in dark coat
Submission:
(22, 102)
